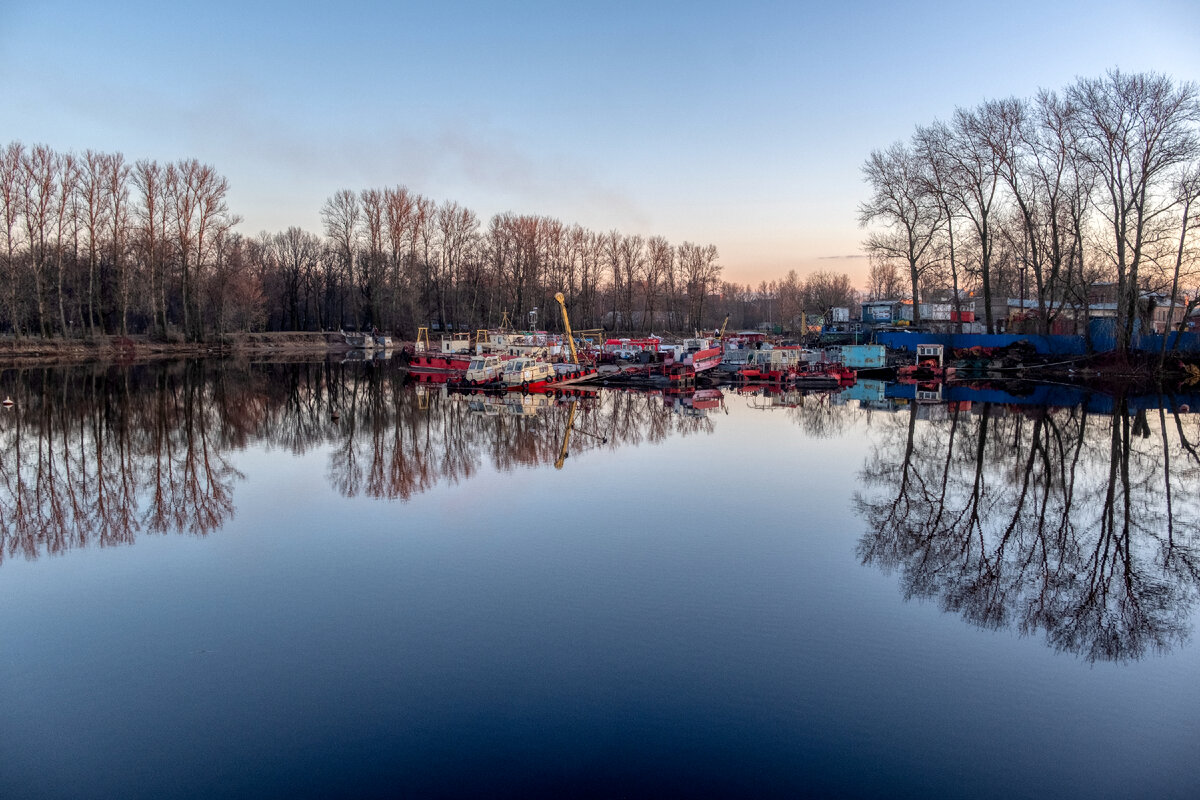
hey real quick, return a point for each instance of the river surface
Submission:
(322, 580)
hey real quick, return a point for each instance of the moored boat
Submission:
(701, 354)
(930, 365)
(794, 366)
(367, 341)
(529, 374)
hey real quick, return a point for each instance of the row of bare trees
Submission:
(92, 244)
(1042, 198)
(785, 302)
(407, 261)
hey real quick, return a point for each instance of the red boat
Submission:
(794, 366)
(454, 354)
(700, 354)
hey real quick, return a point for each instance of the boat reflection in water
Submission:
(405, 597)
(1053, 512)
(101, 455)
(1078, 523)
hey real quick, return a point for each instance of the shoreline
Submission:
(35, 351)
(1096, 373)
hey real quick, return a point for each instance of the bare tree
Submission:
(975, 179)
(212, 218)
(65, 226)
(911, 215)
(883, 278)
(827, 290)
(95, 212)
(116, 175)
(372, 268)
(457, 229)
(701, 274)
(11, 205)
(38, 173)
(151, 180)
(932, 145)
(1134, 130)
(659, 255)
(298, 252)
(1187, 193)
(632, 258)
(342, 216)
(400, 207)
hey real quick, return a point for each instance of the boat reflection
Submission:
(103, 454)
(1078, 521)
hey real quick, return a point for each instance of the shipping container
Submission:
(935, 312)
(877, 312)
(864, 356)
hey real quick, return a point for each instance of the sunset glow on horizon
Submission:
(743, 128)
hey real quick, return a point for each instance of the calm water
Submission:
(211, 587)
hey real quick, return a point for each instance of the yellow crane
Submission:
(721, 336)
(562, 454)
(562, 301)
(566, 443)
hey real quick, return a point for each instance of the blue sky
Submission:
(741, 125)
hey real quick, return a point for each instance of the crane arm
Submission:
(562, 301)
(562, 454)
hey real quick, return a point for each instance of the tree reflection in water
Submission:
(1080, 526)
(100, 454)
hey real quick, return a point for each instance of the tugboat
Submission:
(454, 354)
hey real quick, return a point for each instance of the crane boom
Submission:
(562, 454)
(562, 301)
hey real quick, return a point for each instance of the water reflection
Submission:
(1076, 521)
(1079, 525)
(95, 455)
(102, 454)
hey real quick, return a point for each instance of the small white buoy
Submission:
(8, 403)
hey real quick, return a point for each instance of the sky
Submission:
(740, 125)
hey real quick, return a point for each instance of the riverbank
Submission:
(34, 351)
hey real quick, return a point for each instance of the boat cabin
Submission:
(522, 370)
(779, 359)
(930, 355)
(484, 369)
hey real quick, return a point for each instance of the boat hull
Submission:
(439, 363)
(704, 360)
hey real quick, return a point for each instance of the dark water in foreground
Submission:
(210, 587)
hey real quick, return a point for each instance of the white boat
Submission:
(523, 371)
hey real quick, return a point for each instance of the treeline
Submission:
(405, 261)
(93, 244)
(1042, 198)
